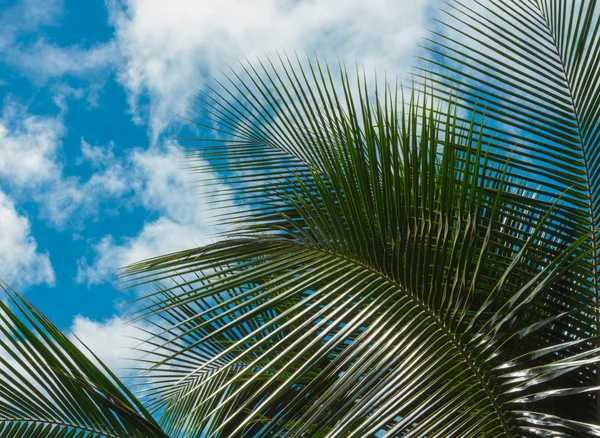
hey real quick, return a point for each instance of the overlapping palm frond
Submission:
(401, 268)
(535, 67)
(49, 388)
(387, 279)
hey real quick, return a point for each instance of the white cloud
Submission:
(32, 168)
(26, 16)
(28, 146)
(21, 264)
(63, 92)
(97, 155)
(168, 51)
(158, 237)
(112, 340)
(162, 184)
(44, 60)
(70, 199)
(30, 165)
(21, 45)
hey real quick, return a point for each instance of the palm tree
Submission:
(403, 265)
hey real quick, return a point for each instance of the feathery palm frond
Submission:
(535, 67)
(399, 270)
(387, 277)
(49, 388)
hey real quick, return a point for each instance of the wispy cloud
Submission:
(32, 168)
(26, 16)
(28, 146)
(112, 340)
(24, 47)
(43, 60)
(163, 186)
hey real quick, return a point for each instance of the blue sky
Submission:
(89, 91)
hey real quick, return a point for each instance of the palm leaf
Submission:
(49, 387)
(386, 278)
(535, 67)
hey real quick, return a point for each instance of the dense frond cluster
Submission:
(535, 68)
(405, 265)
(389, 279)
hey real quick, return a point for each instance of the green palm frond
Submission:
(49, 387)
(535, 67)
(387, 278)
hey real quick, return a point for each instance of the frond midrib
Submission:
(439, 323)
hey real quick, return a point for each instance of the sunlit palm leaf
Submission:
(535, 67)
(386, 278)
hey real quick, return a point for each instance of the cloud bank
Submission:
(167, 52)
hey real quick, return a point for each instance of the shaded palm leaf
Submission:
(535, 67)
(48, 387)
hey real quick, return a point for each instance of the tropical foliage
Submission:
(402, 264)
(49, 387)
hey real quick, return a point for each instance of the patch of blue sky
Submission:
(85, 24)
(98, 120)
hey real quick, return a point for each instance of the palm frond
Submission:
(387, 278)
(534, 65)
(49, 387)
